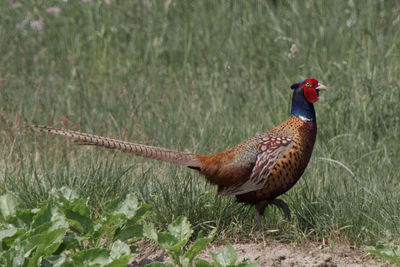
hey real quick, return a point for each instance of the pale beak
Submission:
(321, 87)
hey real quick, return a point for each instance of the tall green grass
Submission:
(203, 76)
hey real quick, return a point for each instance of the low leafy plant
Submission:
(174, 242)
(227, 257)
(61, 232)
(386, 251)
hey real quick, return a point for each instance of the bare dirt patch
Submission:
(275, 254)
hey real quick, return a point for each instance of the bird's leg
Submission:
(282, 205)
(258, 219)
(260, 207)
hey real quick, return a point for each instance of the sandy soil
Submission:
(277, 254)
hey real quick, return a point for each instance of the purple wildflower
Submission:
(36, 25)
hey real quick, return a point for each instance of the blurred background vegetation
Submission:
(202, 76)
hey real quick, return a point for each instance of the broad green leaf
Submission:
(77, 206)
(118, 220)
(49, 213)
(160, 264)
(168, 241)
(119, 249)
(11, 258)
(387, 251)
(28, 249)
(120, 262)
(179, 234)
(66, 193)
(120, 254)
(141, 213)
(7, 231)
(174, 241)
(92, 256)
(75, 210)
(197, 246)
(78, 215)
(48, 218)
(49, 241)
(110, 225)
(70, 241)
(128, 206)
(203, 263)
(22, 219)
(45, 245)
(48, 226)
(130, 233)
(150, 232)
(8, 241)
(228, 256)
(8, 205)
(57, 261)
(181, 229)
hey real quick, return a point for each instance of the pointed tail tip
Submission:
(38, 128)
(32, 127)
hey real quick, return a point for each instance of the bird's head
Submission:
(305, 93)
(309, 88)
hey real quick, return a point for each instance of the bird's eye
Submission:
(308, 84)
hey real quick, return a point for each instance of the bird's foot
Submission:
(260, 207)
(283, 206)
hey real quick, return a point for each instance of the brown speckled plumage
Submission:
(247, 170)
(256, 171)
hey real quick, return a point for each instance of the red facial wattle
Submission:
(310, 93)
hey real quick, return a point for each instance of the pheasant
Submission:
(257, 170)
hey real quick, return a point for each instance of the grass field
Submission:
(202, 76)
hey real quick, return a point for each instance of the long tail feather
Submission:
(158, 153)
